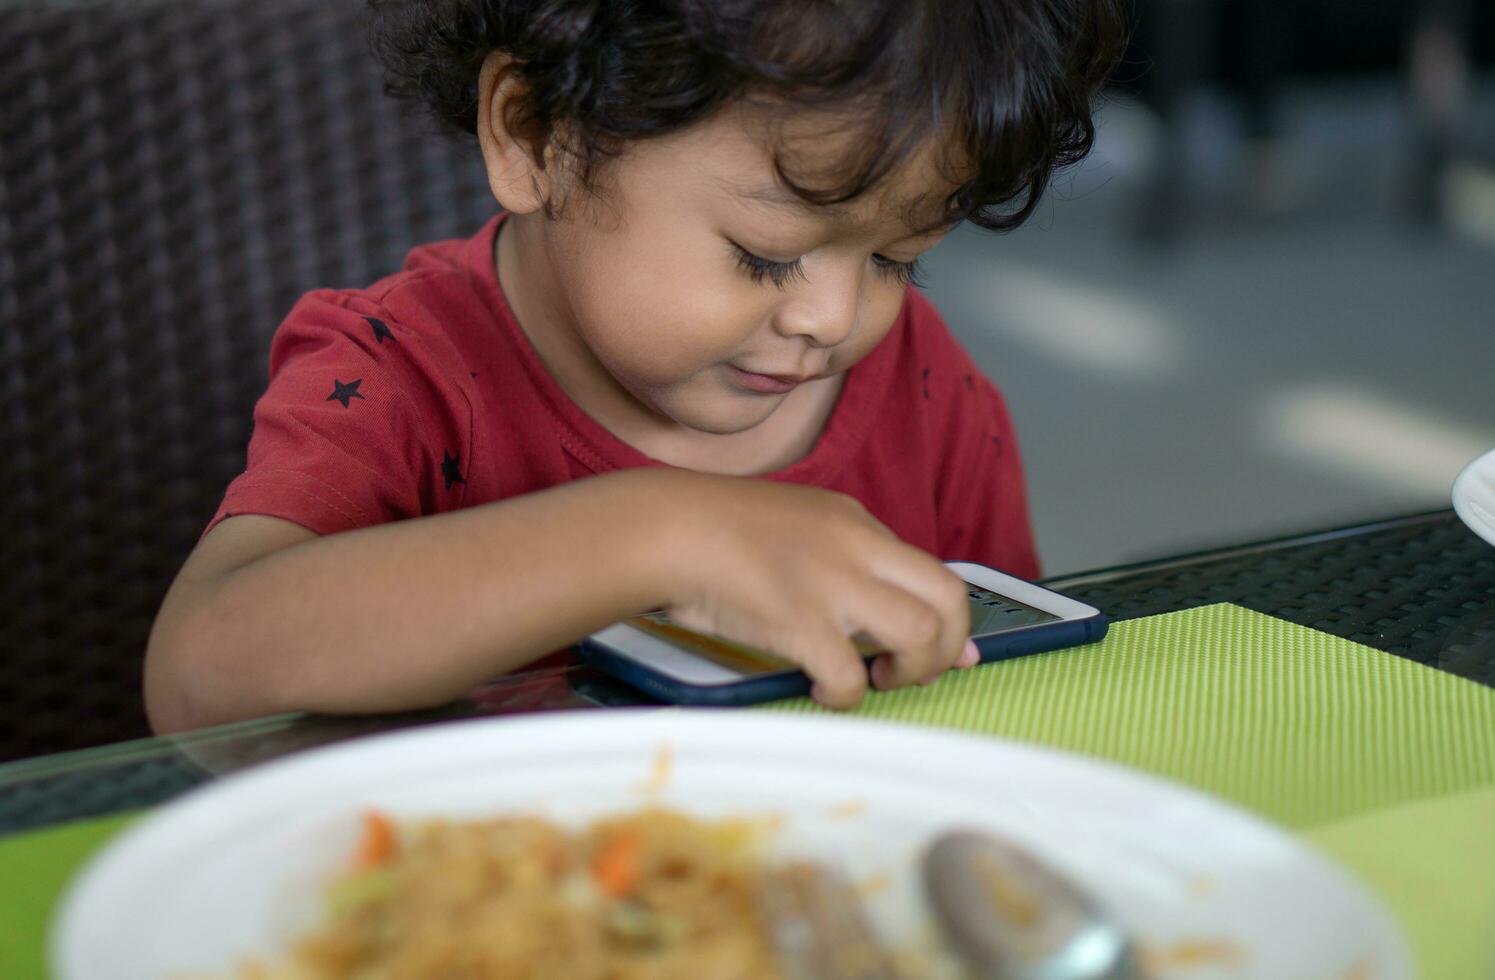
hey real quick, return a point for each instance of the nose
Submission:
(822, 311)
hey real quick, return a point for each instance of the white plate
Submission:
(234, 868)
(1474, 496)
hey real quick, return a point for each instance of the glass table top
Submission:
(1421, 587)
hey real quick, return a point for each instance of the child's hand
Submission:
(798, 571)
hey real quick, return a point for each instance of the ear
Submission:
(515, 163)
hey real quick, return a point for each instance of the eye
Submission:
(904, 273)
(758, 268)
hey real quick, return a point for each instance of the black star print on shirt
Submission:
(451, 468)
(380, 329)
(345, 392)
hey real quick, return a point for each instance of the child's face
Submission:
(655, 276)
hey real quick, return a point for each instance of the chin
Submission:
(720, 428)
(726, 420)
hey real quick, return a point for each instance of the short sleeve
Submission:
(982, 501)
(363, 422)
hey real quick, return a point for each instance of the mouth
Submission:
(769, 384)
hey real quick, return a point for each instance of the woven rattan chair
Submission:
(173, 174)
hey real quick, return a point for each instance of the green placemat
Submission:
(1298, 725)
(34, 869)
(1433, 864)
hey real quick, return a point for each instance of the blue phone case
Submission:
(774, 687)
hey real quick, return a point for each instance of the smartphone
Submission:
(1009, 617)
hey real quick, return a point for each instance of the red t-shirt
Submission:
(421, 395)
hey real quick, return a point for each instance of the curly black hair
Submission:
(1005, 84)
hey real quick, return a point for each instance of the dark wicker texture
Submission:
(1421, 588)
(96, 792)
(172, 176)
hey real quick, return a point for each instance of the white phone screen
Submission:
(992, 613)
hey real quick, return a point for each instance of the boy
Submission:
(683, 370)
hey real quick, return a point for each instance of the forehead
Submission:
(755, 157)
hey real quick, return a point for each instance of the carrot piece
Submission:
(615, 867)
(377, 845)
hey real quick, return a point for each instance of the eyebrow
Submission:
(781, 197)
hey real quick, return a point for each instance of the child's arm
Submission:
(267, 617)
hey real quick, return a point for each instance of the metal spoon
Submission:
(1011, 917)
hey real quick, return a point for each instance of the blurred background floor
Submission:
(1300, 354)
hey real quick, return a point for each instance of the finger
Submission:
(837, 672)
(907, 627)
(881, 673)
(927, 577)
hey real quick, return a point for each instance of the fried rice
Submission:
(655, 894)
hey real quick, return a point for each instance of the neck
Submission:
(526, 268)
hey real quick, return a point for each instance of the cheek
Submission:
(662, 317)
(881, 303)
